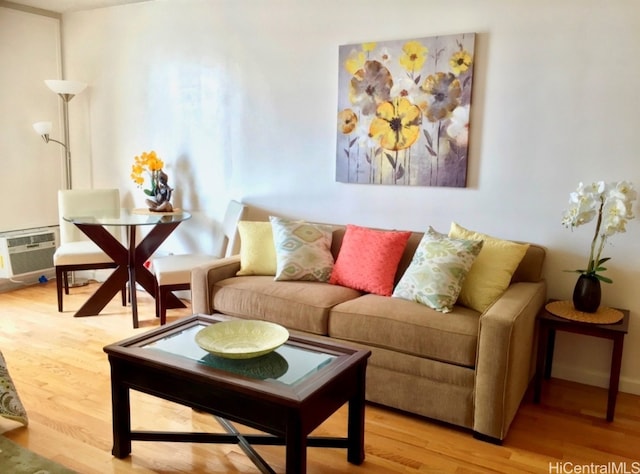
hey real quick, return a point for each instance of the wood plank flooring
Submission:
(62, 375)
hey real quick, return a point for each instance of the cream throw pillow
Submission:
(257, 250)
(303, 250)
(437, 270)
(492, 270)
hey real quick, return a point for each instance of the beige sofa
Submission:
(464, 368)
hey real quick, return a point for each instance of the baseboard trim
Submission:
(30, 279)
(596, 379)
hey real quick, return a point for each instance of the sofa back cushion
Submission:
(530, 268)
(298, 305)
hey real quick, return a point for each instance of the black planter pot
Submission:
(587, 294)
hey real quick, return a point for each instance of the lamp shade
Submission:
(42, 128)
(65, 87)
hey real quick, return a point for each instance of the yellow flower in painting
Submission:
(370, 86)
(443, 95)
(355, 61)
(397, 124)
(414, 54)
(460, 62)
(368, 47)
(347, 121)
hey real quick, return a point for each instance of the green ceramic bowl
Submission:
(241, 339)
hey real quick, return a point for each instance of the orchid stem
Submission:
(592, 264)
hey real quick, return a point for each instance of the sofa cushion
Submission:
(408, 327)
(303, 250)
(492, 270)
(437, 270)
(301, 305)
(257, 250)
(368, 259)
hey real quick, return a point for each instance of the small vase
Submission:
(587, 294)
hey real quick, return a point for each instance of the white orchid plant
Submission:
(611, 204)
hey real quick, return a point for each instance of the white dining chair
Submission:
(76, 252)
(173, 272)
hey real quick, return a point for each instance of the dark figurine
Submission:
(162, 195)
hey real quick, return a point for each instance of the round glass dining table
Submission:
(130, 258)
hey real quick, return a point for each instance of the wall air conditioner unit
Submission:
(27, 251)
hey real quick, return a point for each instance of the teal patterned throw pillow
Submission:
(437, 270)
(303, 250)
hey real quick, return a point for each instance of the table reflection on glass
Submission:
(130, 258)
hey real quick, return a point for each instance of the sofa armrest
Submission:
(505, 360)
(203, 277)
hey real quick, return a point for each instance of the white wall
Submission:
(239, 97)
(31, 170)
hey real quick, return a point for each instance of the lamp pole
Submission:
(65, 113)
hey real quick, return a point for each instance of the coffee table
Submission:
(285, 394)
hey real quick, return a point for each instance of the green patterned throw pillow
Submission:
(10, 404)
(437, 270)
(303, 250)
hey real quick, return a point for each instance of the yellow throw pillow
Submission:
(492, 269)
(257, 250)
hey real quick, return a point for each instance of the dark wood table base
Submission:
(130, 267)
(245, 441)
(295, 438)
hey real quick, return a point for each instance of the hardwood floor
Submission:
(62, 375)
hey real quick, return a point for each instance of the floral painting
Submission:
(403, 111)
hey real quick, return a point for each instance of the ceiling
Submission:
(63, 6)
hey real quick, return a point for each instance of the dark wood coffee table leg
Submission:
(355, 429)
(296, 447)
(121, 413)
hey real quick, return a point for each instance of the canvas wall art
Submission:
(403, 111)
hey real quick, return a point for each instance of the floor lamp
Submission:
(67, 90)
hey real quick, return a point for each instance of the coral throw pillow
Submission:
(368, 259)
(492, 270)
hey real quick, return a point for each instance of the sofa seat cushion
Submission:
(301, 305)
(408, 327)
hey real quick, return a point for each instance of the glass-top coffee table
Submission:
(286, 393)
